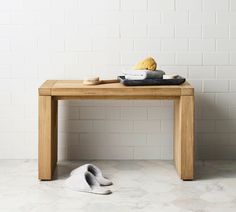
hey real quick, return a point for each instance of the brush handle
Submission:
(109, 81)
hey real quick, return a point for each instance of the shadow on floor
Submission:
(206, 170)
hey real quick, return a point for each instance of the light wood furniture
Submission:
(53, 90)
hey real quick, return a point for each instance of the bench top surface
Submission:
(75, 88)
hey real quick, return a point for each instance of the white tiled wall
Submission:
(70, 39)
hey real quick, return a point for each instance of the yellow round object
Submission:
(146, 64)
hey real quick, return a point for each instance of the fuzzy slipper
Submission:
(85, 182)
(95, 171)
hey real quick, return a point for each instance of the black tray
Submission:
(177, 81)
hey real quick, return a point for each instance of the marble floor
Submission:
(138, 186)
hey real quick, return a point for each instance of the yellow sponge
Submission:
(146, 64)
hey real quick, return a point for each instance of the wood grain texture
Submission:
(47, 145)
(53, 90)
(184, 137)
(45, 88)
(75, 88)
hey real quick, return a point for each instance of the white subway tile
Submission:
(92, 113)
(161, 31)
(206, 153)
(76, 126)
(166, 59)
(100, 153)
(22, 17)
(93, 6)
(167, 153)
(68, 112)
(86, 103)
(211, 111)
(112, 17)
(205, 126)
(10, 85)
(5, 17)
(68, 139)
(207, 100)
(226, 45)
(81, 17)
(167, 126)
(226, 17)
(203, 45)
(188, 59)
(49, 44)
(4, 44)
(161, 5)
(226, 72)
(111, 44)
(147, 152)
(225, 126)
(215, 58)
(133, 5)
(188, 31)
(112, 126)
(232, 58)
(232, 5)
(180, 70)
(160, 139)
(25, 71)
(132, 113)
(112, 139)
(183, 5)
(5, 71)
(104, 31)
(214, 139)
(215, 5)
(167, 103)
(175, 17)
(12, 111)
(11, 5)
(117, 103)
(147, 44)
(105, 58)
(75, 44)
(133, 31)
(233, 85)
(225, 99)
(174, 44)
(113, 113)
(219, 86)
(232, 30)
(35, 5)
(45, 73)
(83, 37)
(71, 71)
(232, 115)
(147, 126)
(160, 113)
(215, 31)
(64, 4)
(146, 103)
(197, 84)
(131, 58)
(6, 96)
(202, 72)
(196, 17)
(150, 18)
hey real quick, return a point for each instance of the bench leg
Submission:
(184, 137)
(47, 143)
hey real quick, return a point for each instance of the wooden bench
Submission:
(53, 90)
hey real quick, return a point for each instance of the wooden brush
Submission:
(97, 81)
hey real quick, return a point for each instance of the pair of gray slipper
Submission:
(88, 178)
